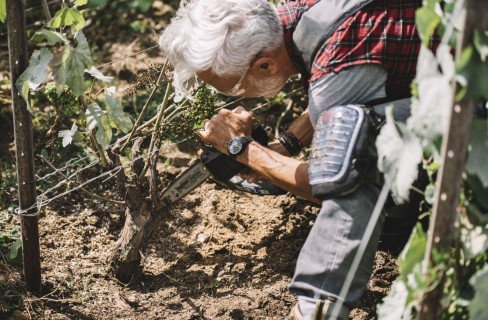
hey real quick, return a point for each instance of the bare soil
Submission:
(222, 255)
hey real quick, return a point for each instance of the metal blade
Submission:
(186, 181)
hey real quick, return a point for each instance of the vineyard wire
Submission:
(42, 203)
(346, 285)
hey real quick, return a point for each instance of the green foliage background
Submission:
(464, 269)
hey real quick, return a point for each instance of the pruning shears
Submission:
(221, 167)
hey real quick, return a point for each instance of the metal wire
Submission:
(362, 248)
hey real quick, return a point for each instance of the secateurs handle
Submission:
(223, 167)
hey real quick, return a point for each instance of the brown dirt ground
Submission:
(223, 255)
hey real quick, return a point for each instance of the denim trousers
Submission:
(328, 252)
(325, 258)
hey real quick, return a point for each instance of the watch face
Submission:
(235, 146)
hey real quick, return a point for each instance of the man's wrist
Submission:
(291, 143)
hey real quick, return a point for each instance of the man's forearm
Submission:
(285, 172)
(302, 128)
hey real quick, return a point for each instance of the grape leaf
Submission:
(427, 21)
(434, 89)
(70, 64)
(79, 3)
(399, 153)
(476, 216)
(476, 164)
(94, 72)
(414, 251)
(3, 10)
(400, 302)
(431, 4)
(394, 306)
(96, 118)
(144, 5)
(480, 39)
(68, 135)
(474, 240)
(115, 111)
(67, 17)
(104, 133)
(477, 307)
(15, 252)
(52, 37)
(472, 73)
(34, 74)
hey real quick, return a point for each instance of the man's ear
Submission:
(265, 66)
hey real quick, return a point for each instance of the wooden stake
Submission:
(454, 151)
(17, 44)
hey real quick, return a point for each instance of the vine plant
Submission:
(64, 59)
(63, 66)
(401, 148)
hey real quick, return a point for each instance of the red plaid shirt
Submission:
(382, 33)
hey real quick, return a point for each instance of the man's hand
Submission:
(225, 125)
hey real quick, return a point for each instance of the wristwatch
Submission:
(237, 145)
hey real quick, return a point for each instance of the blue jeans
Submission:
(329, 250)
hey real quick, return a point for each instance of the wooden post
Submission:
(454, 151)
(17, 45)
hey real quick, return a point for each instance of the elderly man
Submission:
(348, 52)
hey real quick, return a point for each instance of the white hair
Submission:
(223, 36)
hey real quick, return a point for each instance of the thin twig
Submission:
(156, 127)
(45, 7)
(127, 136)
(130, 55)
(146, 105)
(282, 115)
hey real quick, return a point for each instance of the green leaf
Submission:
(3, 10)
(472, 73)
(413, 253)
(474, 240)
(79, 3)
(427, 21)
(477, 307)
(94, 72)
(69, 135)
(431, 4)
(476, 216)
(97, 119)
(35, 74)
(67, 17)
(480, 39)
(434, 88)
(477, 164)
(394, 305)
(104, 133)
(115, 111)
(93, 115)
(478, 193)
(52, 37)
(400, 302)
(15, 252)
(96, 3)
(69, 67)
(144, 5)
(399, 152)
